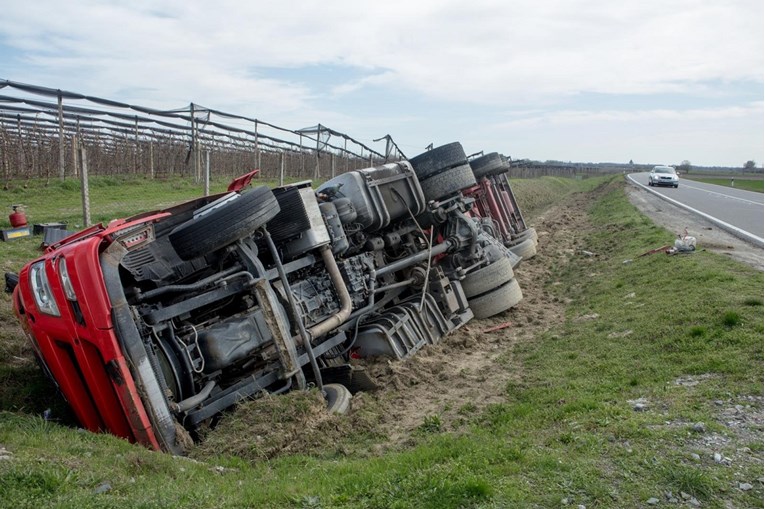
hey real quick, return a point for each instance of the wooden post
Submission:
(84, 186)
(74, 154)
(61, 166)
(21, 149)
(199, 164)
(151, 158)
(194, 144)
(135, 147)
(4, 152)
(281, 168)
(78, 139)
(207, 173)
(257, 147)
(302, 157)
(332, 163)
(345, 153)
(318, 150)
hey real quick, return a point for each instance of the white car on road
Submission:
(663, 176)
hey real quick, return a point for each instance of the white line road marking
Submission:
(724, 195)
(735, 230)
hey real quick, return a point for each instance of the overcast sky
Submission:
(655, 81)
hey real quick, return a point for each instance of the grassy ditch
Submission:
(650, 388)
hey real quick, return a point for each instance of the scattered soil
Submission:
(470, 369)
(708, 235)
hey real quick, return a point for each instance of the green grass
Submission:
(567, 429)
(755, 185)
(110, 197)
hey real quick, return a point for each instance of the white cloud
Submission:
(521, 54)
(496, 51)
(581, 118)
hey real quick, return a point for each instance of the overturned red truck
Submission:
(154, 325)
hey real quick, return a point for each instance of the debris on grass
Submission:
(497, 327)
(664, 248)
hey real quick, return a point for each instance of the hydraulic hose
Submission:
(194, 400)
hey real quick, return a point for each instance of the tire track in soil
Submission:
(470, 368)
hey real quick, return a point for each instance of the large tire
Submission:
(439, 159)
(496, 301)
(526, 249)
(529, 233)
(233, 221)
(447, 183)
(489, 164)
(338, 398)
(488, 278)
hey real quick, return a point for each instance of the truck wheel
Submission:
(338, 398)
(529, 233)
(496, 301)
(447, 183)
(439, 159)
(233, 221)
(525, 249)
(489, 164)
(488, 278)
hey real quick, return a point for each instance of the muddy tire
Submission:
(439, 159)
(231, 222)
(496, 301)
(488, 278)
(338, 398)
(526, 249)
(489, 164)
(529, 233)
(447, 183)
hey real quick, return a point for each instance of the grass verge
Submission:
(755, 185)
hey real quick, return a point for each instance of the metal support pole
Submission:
(151, 158)
(332, 163)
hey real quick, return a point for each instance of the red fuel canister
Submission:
(17, 217)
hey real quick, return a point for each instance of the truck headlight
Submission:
(66, 281)
(43, 295)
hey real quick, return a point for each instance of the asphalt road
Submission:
(741, 209)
